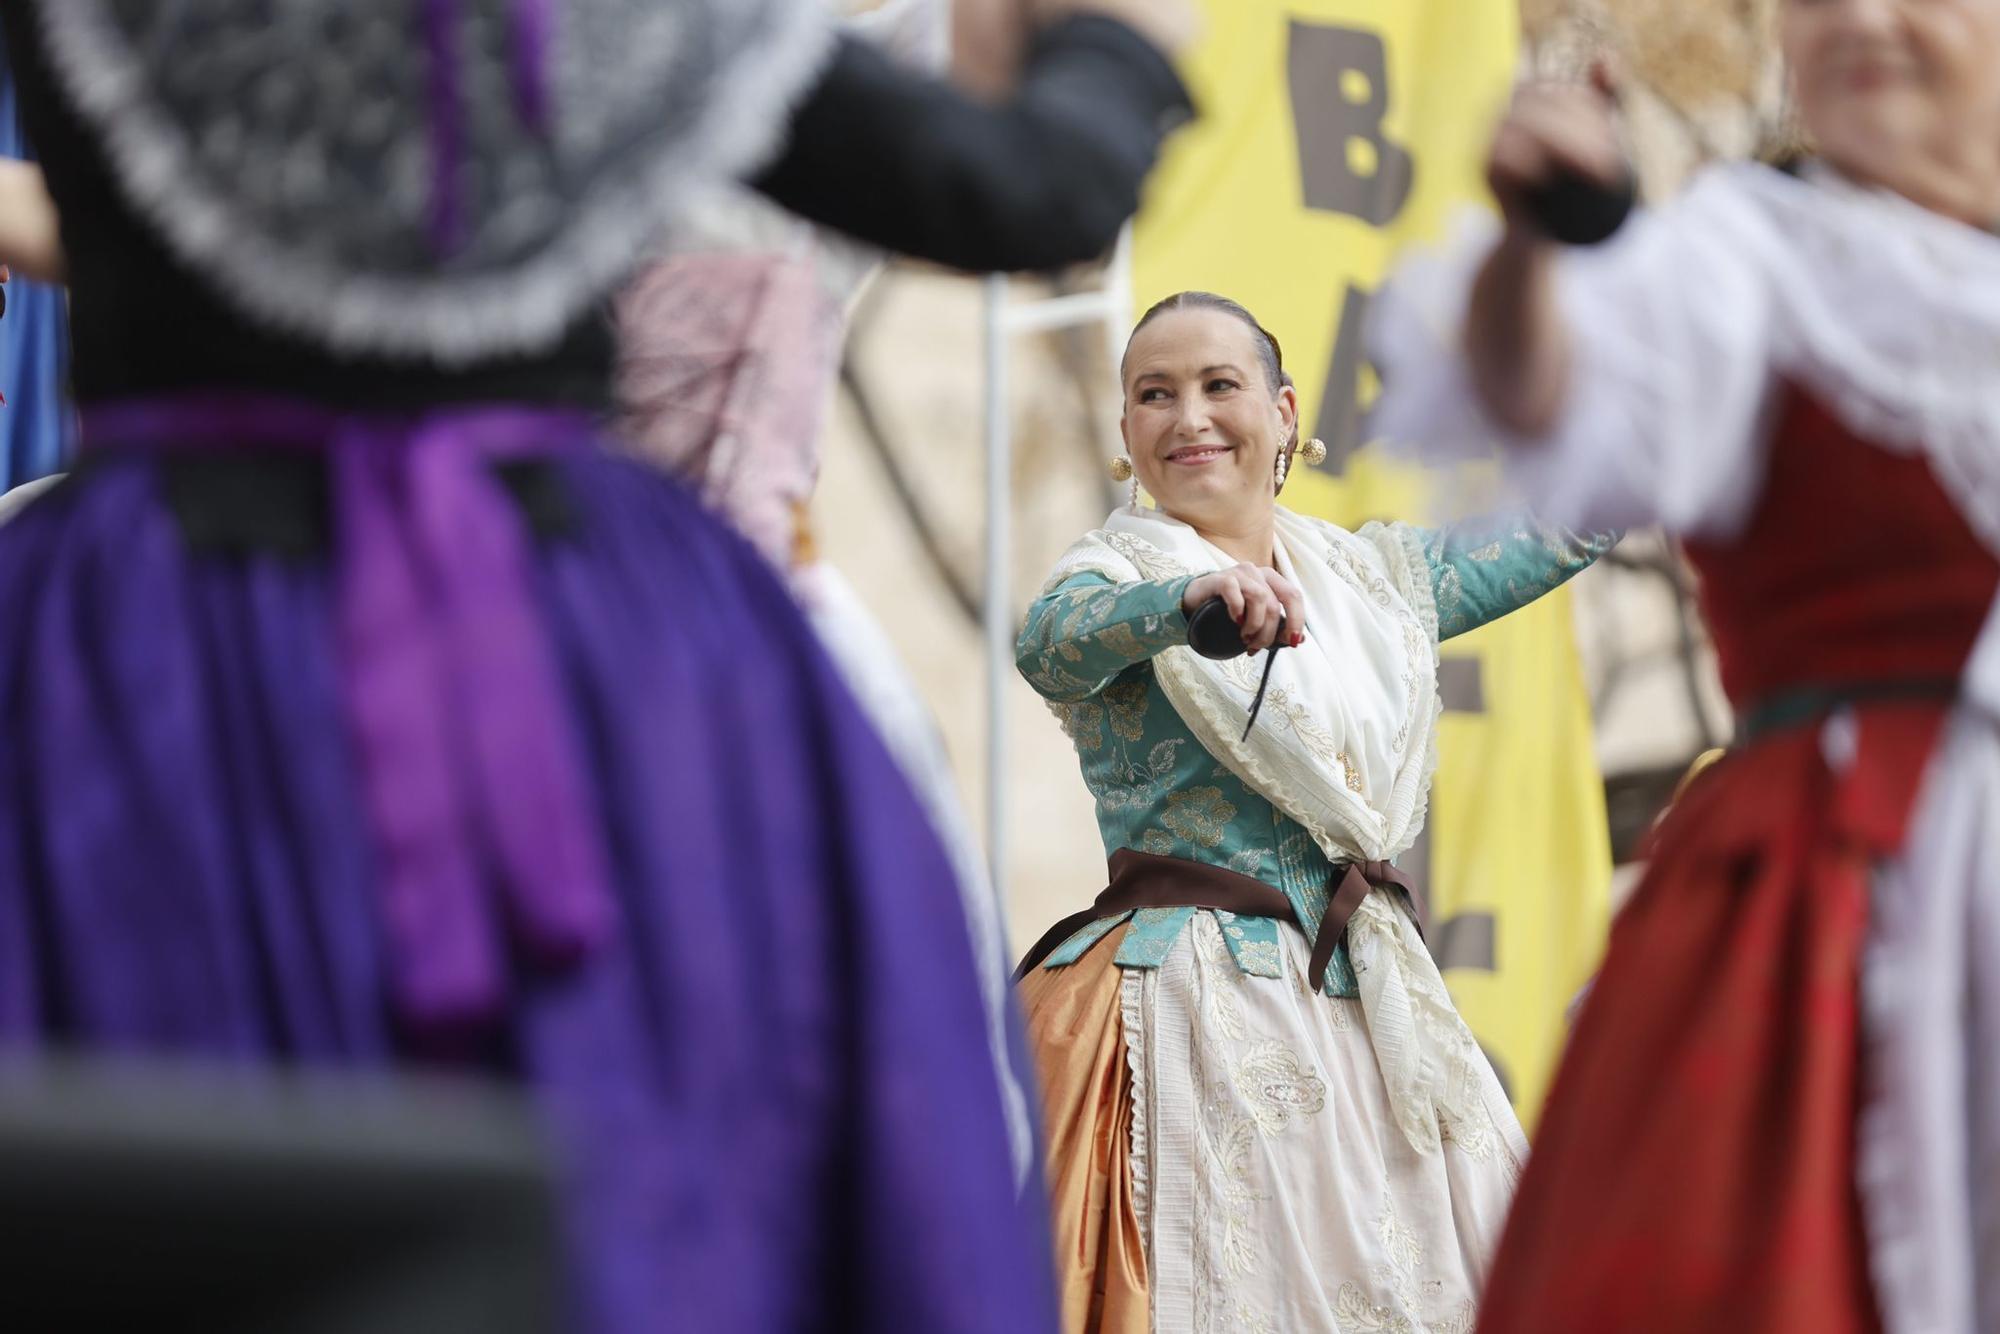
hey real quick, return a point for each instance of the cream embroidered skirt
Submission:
(1222, 1157)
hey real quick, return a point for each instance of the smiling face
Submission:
(1890, 87)
(1203, 421)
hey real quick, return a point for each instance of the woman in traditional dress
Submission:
(1262, 1110)
(1780, 1108)
(357, 709)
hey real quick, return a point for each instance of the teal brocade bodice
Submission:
(1087, 648)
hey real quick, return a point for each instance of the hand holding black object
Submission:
(1557, 164)
(1213, 634)
(1578, 210)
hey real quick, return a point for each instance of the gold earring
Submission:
(1121, 468)
(1313, 452)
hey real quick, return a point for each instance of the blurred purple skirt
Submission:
(768, 1083)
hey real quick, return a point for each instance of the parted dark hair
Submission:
(1270, 355)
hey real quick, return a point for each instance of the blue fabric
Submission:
(37, 427)
(1483, 570)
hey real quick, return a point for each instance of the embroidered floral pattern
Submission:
(1399, 1280)
(1154, 933)
(1198, 815)
(1127, 702)
(1277, 1089)
(1245, 1105)
(1446, 1096)
(1260, 958)
(1354, 1311)
(1123, 641)
(1055, 685)
(1084, 724)
(1077, 639)
(1253, 942)
(1481, 571)
(1217, 974)
(1126, 785)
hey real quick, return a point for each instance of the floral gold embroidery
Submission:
(1158, 842)
(1127, 702)
(1057, 685)
(1085, 607)
(1199, 815)
(1083, 721)
(1259, 956)
(1449, 594)
(1121, 640)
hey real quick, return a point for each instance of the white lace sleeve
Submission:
(1663, 420)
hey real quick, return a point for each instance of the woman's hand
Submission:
(1256, 598)
(1516, 343)
(30, 238)
(1553, 130)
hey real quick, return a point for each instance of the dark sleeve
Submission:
(909, 163)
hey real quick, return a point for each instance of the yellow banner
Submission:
(1333, 133)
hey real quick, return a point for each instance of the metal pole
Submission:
(1119, 314)
(998, 609)
(1112, 306)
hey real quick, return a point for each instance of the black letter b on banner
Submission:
(1340, 93)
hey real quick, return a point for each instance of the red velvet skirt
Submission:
(1694, 1169)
